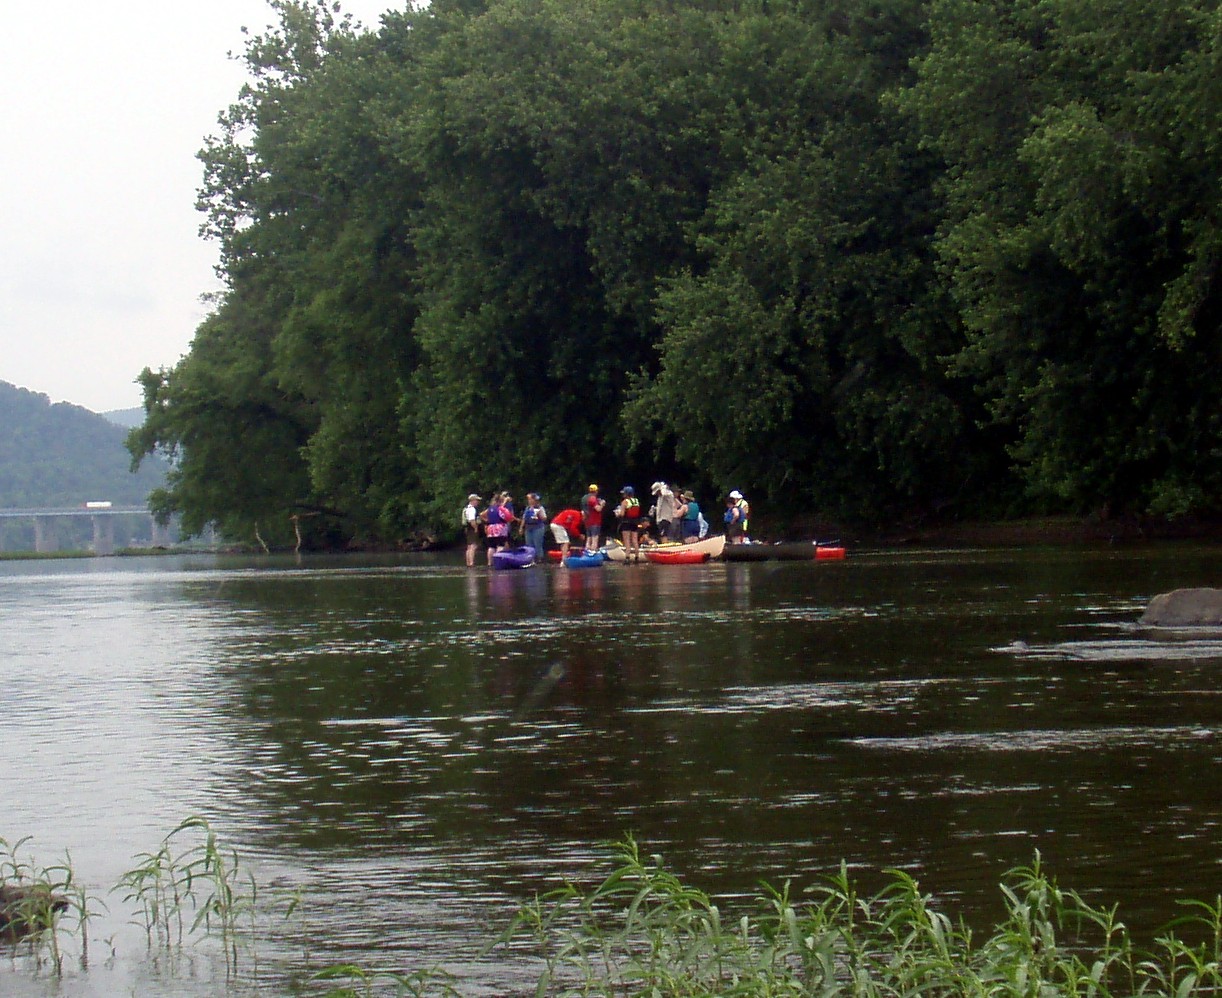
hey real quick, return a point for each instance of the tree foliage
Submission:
(873, 258)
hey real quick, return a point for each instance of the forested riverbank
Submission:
(872, 262)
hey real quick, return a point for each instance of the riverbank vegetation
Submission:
(641, 930)
(878, 261)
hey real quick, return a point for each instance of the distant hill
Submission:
(127, 418)
(65, 455)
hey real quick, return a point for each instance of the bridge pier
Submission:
(103, 535)
(40, 534)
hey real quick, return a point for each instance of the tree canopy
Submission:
(867, 258)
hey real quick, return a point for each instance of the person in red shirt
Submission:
(566, 525)
(592, 507)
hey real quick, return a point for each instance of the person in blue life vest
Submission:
(534, 522)
(629, 513)
(689, 518)
(737, 511)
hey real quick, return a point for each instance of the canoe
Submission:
(585, 559)
(679, 554)
(712, 546)
(784, 551)
(522, 557)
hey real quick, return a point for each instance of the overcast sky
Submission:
(105, 106)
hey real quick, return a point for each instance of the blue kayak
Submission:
(522, 557)
(585, 560)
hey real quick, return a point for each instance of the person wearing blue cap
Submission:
(629, 513)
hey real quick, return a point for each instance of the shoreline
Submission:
(1026, 532)
(1021, 533)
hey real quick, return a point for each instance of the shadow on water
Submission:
(424, 746)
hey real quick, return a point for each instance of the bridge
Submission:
(100, 512)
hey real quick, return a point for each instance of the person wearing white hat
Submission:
(737, 511)
(470, 527)
(665, 507)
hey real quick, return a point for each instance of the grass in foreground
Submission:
(642, 931)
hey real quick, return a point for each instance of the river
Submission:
(412, 748)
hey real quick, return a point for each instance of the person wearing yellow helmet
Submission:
(592, 507)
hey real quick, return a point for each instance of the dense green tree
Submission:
(563, 153)
(232, 436)
(864, 257)
(311, 220)
(816, 322)
(1080, 238)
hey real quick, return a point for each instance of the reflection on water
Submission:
(417, 747)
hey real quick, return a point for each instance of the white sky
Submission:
(104, 107)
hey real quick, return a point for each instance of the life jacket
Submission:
(632, 508)
(744, 510)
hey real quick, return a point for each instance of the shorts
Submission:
(472, 534)
(559, 534)
(629, 526)
(492, 543)
(734, 529)
(691, 528)
(593, 529)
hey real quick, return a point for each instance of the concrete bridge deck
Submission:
(100, 513)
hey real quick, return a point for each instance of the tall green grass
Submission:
(642, 931)
(192, 885)
(637, 929)
(39, 904)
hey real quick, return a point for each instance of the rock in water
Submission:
(1185, 608)
(27, 908)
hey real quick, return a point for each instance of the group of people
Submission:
(673, 516)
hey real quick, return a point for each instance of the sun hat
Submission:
(475, 497)
(657, 487)
(736, 494)
(592, 488)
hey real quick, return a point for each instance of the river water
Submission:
(412, 748)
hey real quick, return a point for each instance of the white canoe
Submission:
(712, 546)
